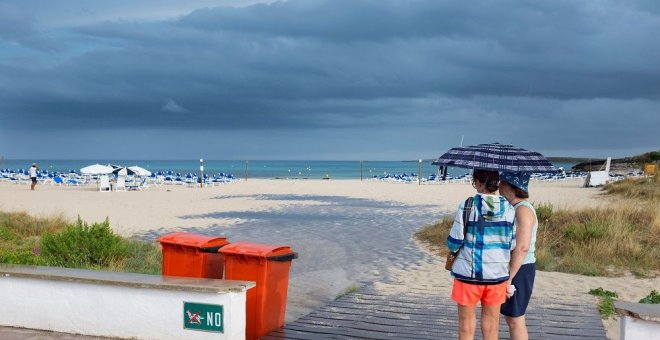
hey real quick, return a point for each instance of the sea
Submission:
(269, 169)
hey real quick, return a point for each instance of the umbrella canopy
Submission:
(122, 171)
(96, 169)
(139, 170)
(496, 157)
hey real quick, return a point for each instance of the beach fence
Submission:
(638, 321)
(121, 305)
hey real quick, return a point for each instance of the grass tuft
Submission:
(348, 291)
(645, 189)
(593, 241)
(435, 234)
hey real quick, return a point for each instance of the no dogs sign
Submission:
(203, 317)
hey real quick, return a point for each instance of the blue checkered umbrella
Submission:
(496, 157)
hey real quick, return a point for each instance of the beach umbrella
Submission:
(96, 169)
(123, 171)
(139, 170)
(496, 157)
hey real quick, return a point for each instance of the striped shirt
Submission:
(486, 251)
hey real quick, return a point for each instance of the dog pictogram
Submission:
(195, 318)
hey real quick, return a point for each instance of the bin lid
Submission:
(256, 249)
(193, 240)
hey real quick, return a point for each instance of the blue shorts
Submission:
(516, 305)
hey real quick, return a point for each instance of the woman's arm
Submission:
(525, 219)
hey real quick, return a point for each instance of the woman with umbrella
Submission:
(483, 245)
(487, 260)
(522, 269)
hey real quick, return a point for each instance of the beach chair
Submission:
(143, 185)
(104, 183)
(121, 184)
(57, 180)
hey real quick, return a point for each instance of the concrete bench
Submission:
(639, 321)
(121, 305)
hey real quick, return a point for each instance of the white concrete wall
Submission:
(636, 329)
(112, 310)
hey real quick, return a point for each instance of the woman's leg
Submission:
(467, 322)
(515, 307)
(490, 321)
(517, 327)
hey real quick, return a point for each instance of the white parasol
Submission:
(139, 170)
(96, 169)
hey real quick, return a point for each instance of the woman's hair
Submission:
(490, 179)
(519, 193)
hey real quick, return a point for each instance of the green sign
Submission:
(203, 317)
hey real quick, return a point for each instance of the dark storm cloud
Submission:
(568, 66)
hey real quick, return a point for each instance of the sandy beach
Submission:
(170, 207)
(346, 231)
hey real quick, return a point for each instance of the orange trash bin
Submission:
(268, 266)
(192, 255)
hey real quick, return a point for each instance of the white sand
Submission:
(165, 207)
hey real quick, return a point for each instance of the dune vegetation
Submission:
(607, 241)
(55, 241)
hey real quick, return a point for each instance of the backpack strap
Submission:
(467, 210)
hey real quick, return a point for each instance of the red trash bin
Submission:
(268, 266)
(192, 255)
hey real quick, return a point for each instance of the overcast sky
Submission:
(333, 79)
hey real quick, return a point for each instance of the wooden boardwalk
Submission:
(367, 314)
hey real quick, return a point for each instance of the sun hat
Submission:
(519, 180)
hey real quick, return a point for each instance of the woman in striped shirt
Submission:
(481, 268)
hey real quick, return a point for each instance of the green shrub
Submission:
(20, 256)
(603, 293)
(653, 298)
(606, 304)
(29, 240)
(82, 245)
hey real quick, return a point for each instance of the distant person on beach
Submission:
(33, 175)
(481, 268)
(514, 186)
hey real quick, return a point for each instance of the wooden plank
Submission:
(370, 315)
(285, 333)
(369, 324)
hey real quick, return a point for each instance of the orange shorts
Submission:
(466, 294)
